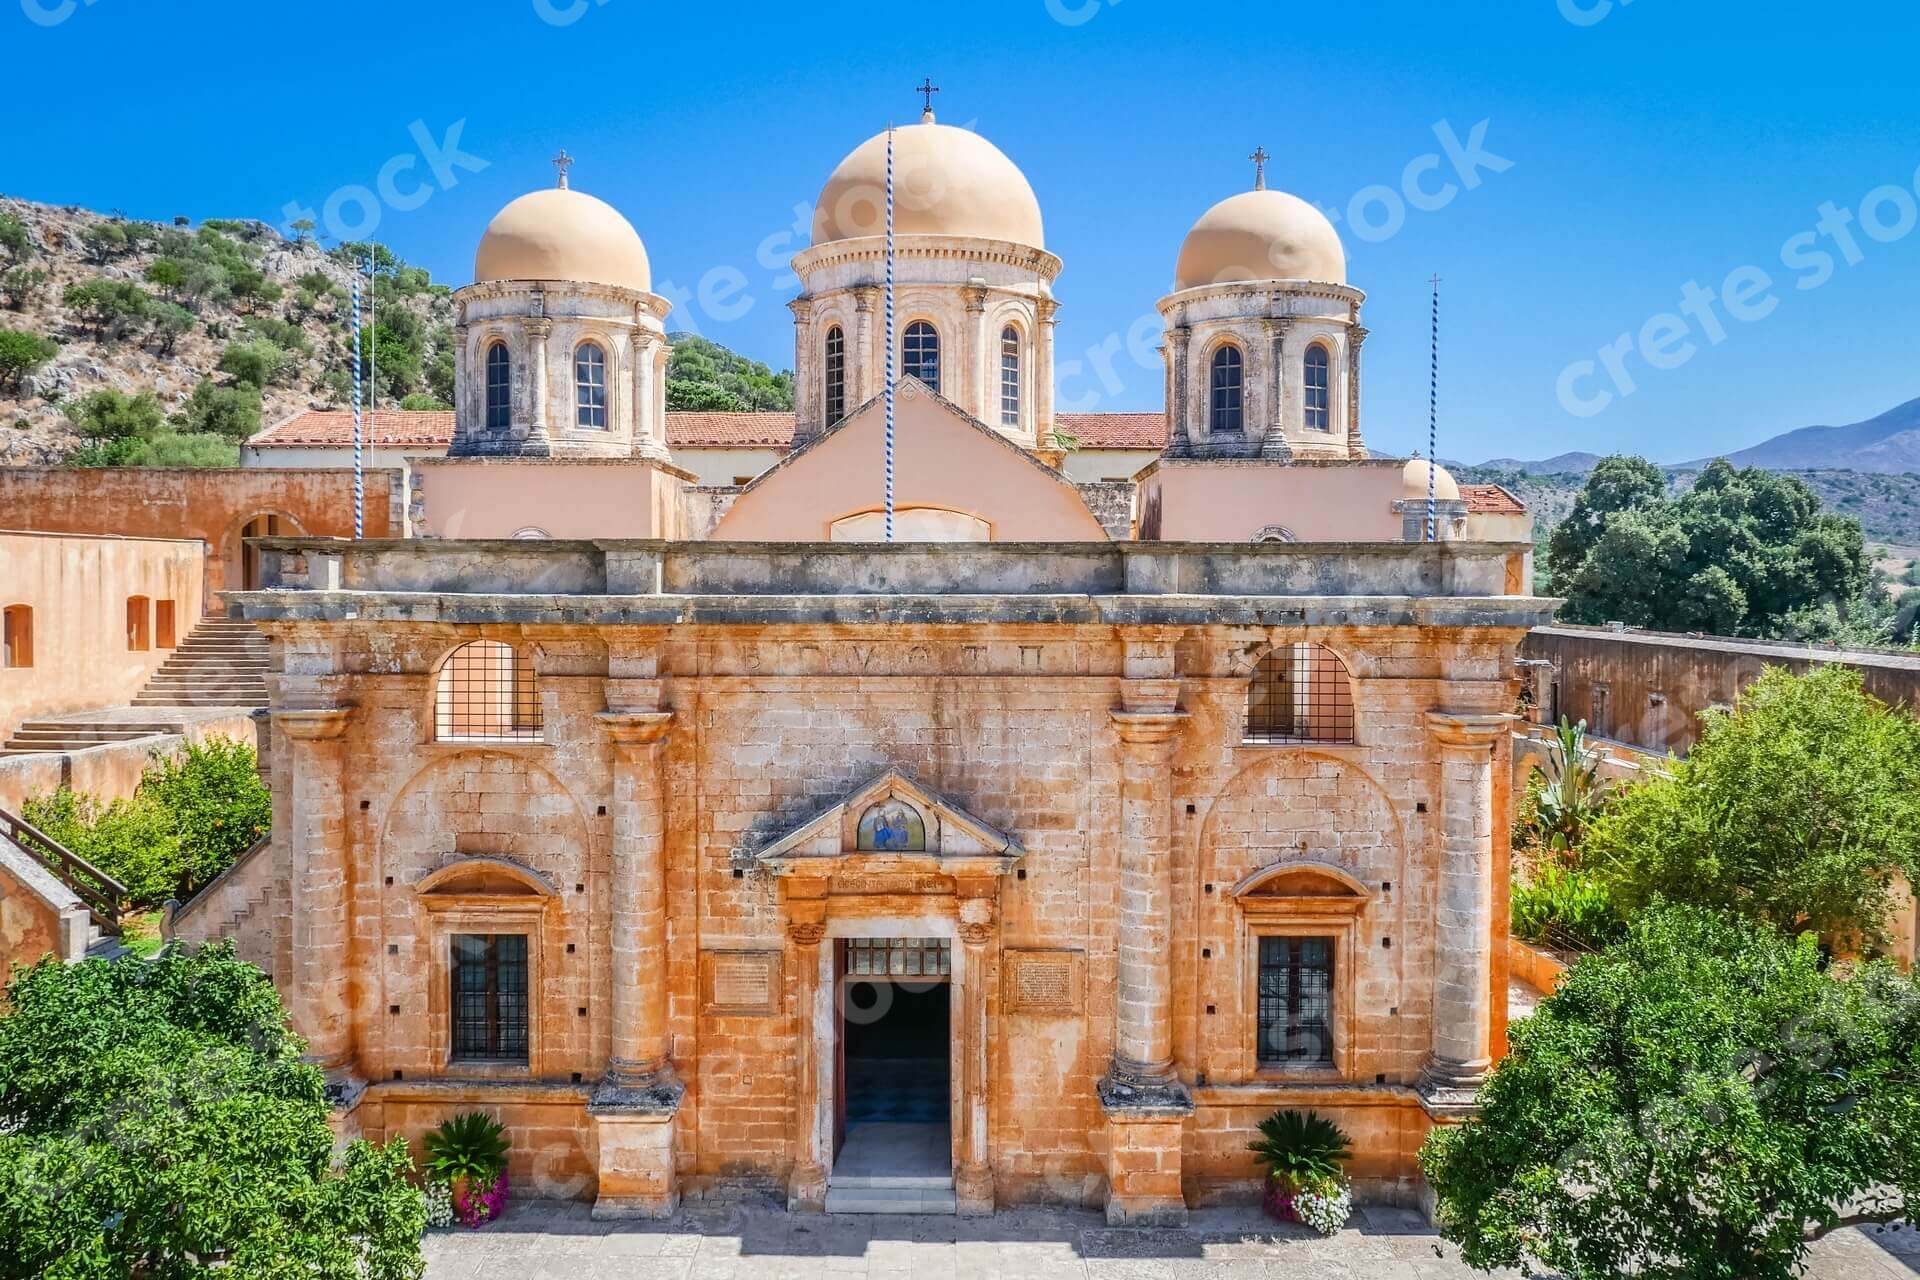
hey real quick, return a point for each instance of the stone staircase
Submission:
(221, 663)
(35, 736)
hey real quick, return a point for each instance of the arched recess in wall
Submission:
(1268, 814)
(240, 563)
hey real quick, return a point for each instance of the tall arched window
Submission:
(836, 379)
(487, 693)
(1300, 693)
(499, 387)
(1319, 388)
(18, 626)
(920, 353)
(590, 387)
(1227, 411)
(1009, 377)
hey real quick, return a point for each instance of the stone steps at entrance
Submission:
(889, 1199)
(893, 1168)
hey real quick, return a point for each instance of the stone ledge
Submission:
(1123, 1102)
(657, 1098)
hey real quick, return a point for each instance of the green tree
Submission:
(702, 397)
(420, 401)
(1797, 807)
(105, 241)
(21, 285)
(229, 412)
(167, 321)
(15, 239)
(251, 286)
(156, 1120)
(206, 285)
(169, 275)
(21, 355)
(743, 385)
(302, 229)
(107, 305)
(255, 364)
(1698, 1102)
(112, 415)
(219, 807)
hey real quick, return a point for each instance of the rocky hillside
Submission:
(226, 324)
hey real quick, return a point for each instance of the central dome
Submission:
(1261, 235)
(561, 234)
(946, 182)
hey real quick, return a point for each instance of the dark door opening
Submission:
(897, 1060)
(893, 1133)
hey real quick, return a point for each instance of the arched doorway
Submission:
(243, 561)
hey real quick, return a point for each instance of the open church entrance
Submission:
(893, 1143)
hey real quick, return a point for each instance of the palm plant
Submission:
(470, 1146)
(1569, 793)
(1301, 1149)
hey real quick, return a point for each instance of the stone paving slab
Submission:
(551, 1241)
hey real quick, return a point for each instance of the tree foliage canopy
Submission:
(1745, 553)
(23, 353)
(703, 376)
(155, 1120)
(1695, 1103)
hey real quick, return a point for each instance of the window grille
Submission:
(1009, 377)
(836, 380)
(1296, 1001)
(1319, 383)
(499, 387)
(490, 997)
(488, 693)
(590, 387)
(1300, 693)
(898, 957)
(920, 353)
(1228, 414)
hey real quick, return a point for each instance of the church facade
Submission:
(730, 847)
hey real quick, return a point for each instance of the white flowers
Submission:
(1325, 1207)
(439, 1204)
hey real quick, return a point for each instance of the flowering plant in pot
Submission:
(469, 1154)
(1303, 1153)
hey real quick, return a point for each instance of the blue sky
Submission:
(1659, 142)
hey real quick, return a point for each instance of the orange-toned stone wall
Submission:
(29, 924)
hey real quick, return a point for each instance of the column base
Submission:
(633, 1127)
(807, 1189)
(1146, 1125)
(344, 1091)
(1448, 1090)
(973, 1191)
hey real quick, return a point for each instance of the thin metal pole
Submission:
(359, 487)
(890, 352)
(1433, 424)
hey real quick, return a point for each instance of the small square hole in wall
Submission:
(1394, 1012)
(583, 1011)
(1381, 1078)
(365, 805)
(579, 888)
(603, 811)
(1421, 807)
(576, 1077)
(1386, 943)
(1209, 1011)
(1200, 1078)
(569, 948)
(393, 1009)
(393, 948)
(399, 1075)
(1193, 808)
(739, 873)
(1209, 888)
(389, 882)
(1386, 886)
(1021, 874)
(1206, 953)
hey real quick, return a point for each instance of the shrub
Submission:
(131, 840)
(219, 806)
(1564, 907)
(1301, 1149)
(424, 402)
(256, 363)
(107, 305)
(232, 412)
(1564, 798)
(22, 354)
(21, 285)
(111, 415)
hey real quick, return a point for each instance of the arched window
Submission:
(499, 387)
(920, 353)
(1319, 388)
(1300, 693)
(487, 693)
(1227, 411)
(590, 387)
(17, 623)
(1009, 377)
(139, 623)
(836, 379)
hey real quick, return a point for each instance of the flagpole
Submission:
(359, 500)
(1433, 423)
(890, 351)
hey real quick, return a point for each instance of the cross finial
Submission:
(929, 88)
(1259, 158)
(563, 162)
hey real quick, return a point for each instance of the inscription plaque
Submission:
(740, 983)
(1046, 983)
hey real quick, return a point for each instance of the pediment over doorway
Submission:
(892, 823)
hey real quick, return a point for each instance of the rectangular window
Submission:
(1296, 1002)
(163, 623)
(139, 623)
(899, 957)
(490, 997)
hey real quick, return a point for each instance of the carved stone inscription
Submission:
(1045, 983)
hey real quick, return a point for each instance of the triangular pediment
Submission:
(892, 818)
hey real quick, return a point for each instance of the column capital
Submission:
(314, 725)
(541, 328)
(864, 296)
(807, 933)
(976, 296)
(635, 728)
(1048, 310)
(1467, 729)
(802, 308)
(1148, 727)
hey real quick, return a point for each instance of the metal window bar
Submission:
(1009, 377)
(499, 387)
(488, 692)
(1296, 1001)
(1229, 408)
(920, 353)
(836, 375)
(590, 387)
(1319, 389)
(1300, 693)
(898, 957)
(490, 997)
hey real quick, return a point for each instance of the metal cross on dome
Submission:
(929, 88)
(1259, 158)
(563, 162)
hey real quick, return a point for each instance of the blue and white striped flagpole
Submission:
(359, 490)
(890, 352)
(1433, 423)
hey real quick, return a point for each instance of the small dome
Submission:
(1261, 235)
(560, 234)
(946, 182)
(1413, 482)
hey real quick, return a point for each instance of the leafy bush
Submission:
(162, 449)
(21, 354)
(471, 1145)
(256, 363)
(105, 305)
(420, 401)
(15, 238)
(1301, 1149)
(232, 412)
(156, 1120)
(21, 285)
(112, 415)
(131, 840)
(1564, 907)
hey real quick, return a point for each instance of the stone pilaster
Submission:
(1048, 313)
(1356, 446)
(1179, 435)
(538, 437)
(649, 418)
(809, 389)
(319, 995)
(869, 356)
(633, 1108)
(979, 937)
(1275, 445)
(807, 1184)
(974, 361)
(1463, 910)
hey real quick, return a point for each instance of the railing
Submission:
(105, 897)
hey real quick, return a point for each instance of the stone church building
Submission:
(718, 845)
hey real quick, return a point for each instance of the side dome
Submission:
(561, 234)
(946, 182)
(1261, 235)
(1413, 482)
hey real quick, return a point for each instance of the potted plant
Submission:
(1303, 1154)
(468, 1154)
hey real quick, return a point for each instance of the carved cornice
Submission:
(635, 728)
(1468, 730)
(1148, 727)
(318, 725)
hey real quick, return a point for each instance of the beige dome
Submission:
(558, 234)
(1261, 235)
(1413, 483)
(946, 182)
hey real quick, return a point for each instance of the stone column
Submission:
(973, 1179)
(538, 438)
(1275, 445)
(1146, 1105)
(463, 385)
(809, 392)
(1048, 313)
(867, 368)
(649, 422)
(319, 995)
(811, 1139)
(1463, 909)
(1179, 432)
(634, 1106)
(973, 360)
(1356, 447)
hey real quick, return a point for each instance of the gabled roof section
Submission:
(827, 841)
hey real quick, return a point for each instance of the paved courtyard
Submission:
(535, 1241)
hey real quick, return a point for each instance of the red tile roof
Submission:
(1115, 430)
(385, 429)
(1491, 499)
(720, 430)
